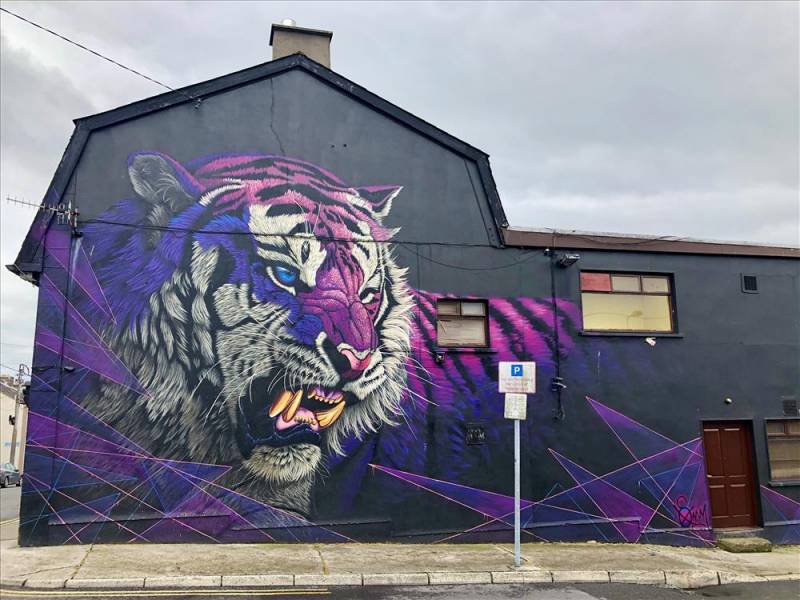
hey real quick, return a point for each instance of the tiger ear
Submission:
(378, 198)
(162, 181)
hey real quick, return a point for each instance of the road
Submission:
(762, 591)
(9, 512)
(9, 503)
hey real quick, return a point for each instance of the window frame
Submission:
(670, 295)
(484, 317)
(767, 436)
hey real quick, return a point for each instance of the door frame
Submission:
(756, 496)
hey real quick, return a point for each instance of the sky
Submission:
(655, 118)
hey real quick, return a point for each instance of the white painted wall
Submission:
(7, 401)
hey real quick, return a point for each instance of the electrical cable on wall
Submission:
(557, 384)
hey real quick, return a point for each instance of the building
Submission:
(10, 417)
(278, 312)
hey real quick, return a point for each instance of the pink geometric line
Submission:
(527, 503)
(502, 519)
(140, 484)
(130, 453)
(688, 534)
(78, 380)
(453, 500)
(622, 468)
(701, 472)
(627, 418)
(202, 490)
(107, 349)
(110, 508)
(99, 287)
(124, 492)
(484, 524)
(633, 455)
(105, 376)
(145, 480)
(271, 508)
(86, 412)
(666, 494)
(88, 293)
(68, 497)
(181, 474)
(138, 457)
(79, 342)
(47, 502)
(780, 496)
(591, 497)
(62, 301)
(466, 487)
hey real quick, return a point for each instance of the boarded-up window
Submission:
(627, 302)
(462, 323)
(783, 440)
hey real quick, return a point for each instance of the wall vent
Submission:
(749, 284)
(790, 407)
(476, 434)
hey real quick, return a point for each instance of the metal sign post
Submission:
(516, 381)
(517, 549)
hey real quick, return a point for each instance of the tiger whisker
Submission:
(413, 393)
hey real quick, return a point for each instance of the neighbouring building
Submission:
(275, 310)
(11, 417)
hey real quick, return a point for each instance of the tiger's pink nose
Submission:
(357, 364)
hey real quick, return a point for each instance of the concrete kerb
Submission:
(45, 584)
(726, 578)
(396, 579)
(235, 581)
(329, 579)
(676, 579)
(126, 583)
(638, 576)
(689, 580)
(581, 577)
(458, 578)
(522, 577)
(186, 581)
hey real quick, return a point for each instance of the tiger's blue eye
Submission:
(285, 275)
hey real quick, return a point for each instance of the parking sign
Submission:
(517, 378)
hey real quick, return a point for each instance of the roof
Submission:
(584, 240)
(28, 261)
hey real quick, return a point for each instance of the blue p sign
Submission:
(516, 370)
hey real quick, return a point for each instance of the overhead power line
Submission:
(82, 47)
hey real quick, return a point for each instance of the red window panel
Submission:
(595, 282)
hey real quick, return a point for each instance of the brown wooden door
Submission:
(730, 474)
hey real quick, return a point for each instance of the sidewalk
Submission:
(198, 566)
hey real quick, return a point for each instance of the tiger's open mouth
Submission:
(287, 416)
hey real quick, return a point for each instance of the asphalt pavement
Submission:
(779, 590)
(9, 503)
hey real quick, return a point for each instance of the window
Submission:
(783, 441)
(462, 323)
(749, 284)
(627, 302)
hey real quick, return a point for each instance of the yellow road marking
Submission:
(138, 593)
(9, 521)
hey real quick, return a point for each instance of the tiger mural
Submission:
(284, 333)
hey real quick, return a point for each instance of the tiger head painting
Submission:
(258, 303)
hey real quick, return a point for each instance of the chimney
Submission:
(287, 38)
